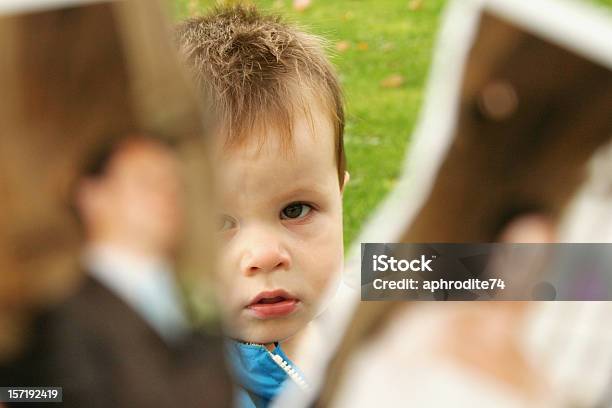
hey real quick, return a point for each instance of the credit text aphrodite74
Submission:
(439, 284)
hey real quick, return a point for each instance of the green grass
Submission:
(379, 120)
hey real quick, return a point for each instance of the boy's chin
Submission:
(270, 333)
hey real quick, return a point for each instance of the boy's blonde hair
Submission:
(259, 72)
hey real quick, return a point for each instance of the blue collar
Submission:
(256, 372)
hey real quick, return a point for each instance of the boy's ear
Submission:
(347, 177)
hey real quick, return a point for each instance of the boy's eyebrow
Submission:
(302, 190)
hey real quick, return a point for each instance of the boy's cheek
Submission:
(227, 265)
(228, 289)
(322, 273)
(324, 229)
(327, 285)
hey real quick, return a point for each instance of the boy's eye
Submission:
(226, 223)
(295, 211)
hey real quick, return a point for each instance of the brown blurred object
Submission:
(532, 228)
(393, 81)
(349, 15)
(388, 46)
(343, 45)
(526, 145)
(362, 46)
(73, 81)
(415, 5)
(531, 115)
(301, 5)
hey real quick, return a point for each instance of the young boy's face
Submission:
(282, 231)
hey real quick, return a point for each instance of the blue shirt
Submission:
(260, 379)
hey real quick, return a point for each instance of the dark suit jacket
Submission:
(103, 354)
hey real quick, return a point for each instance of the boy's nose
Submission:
(265, 258)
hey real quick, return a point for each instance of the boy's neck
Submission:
(297, 345)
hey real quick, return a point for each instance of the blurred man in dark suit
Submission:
(123, 339)
(96, 117)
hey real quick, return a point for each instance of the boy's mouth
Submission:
(272, 304)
